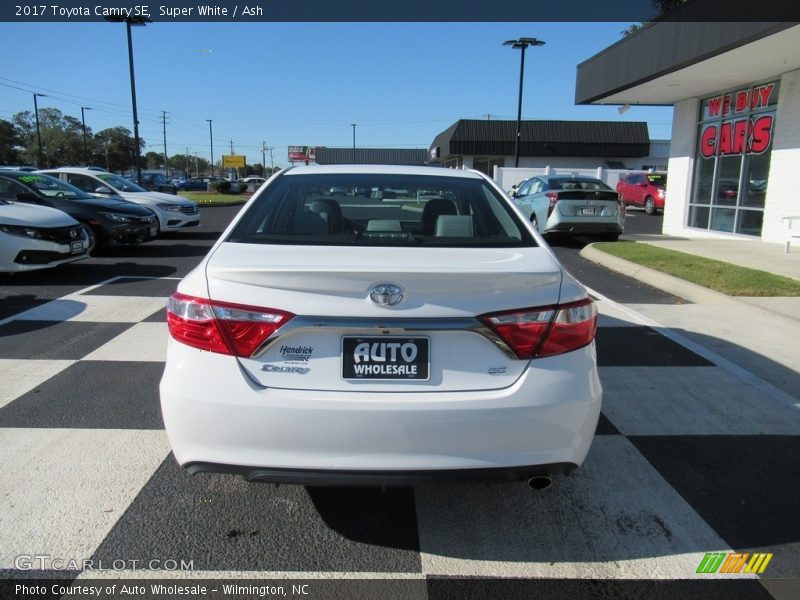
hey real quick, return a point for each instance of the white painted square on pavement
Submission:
(64, 489)
(98, 309)
(18, 377)
(614, 518)
(142, 342)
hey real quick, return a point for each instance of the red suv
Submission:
(643, 189)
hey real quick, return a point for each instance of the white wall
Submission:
(681, 162)
(783, 189)
(509, 176)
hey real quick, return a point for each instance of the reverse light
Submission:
(221, 327)
(547, 330)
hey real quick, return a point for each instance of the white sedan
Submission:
(339, 340)
(38, 237)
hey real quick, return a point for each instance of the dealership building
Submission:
(734, 158)
(486, 144)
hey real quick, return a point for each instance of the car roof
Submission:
(82, 170)
(381, 170)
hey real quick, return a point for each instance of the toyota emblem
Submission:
(386, 294)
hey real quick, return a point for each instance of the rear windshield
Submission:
(592, 185)
(381, 210)
(52, 187)
(658, 180)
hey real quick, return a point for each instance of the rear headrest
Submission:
(433, 208)
(330, 211)
(454, 226)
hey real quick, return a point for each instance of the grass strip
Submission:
(210, 197)
(714, 274)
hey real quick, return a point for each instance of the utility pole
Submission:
(231, 147)
(166, 160)
(83, 122)
(41, 164)
(196, 171)
(271, 161)
(263, 158)
(211, 136)
(187, 162)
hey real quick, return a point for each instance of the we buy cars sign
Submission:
(746, 135)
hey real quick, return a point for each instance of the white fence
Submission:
(506, 177)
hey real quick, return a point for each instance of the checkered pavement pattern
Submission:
(686, 461)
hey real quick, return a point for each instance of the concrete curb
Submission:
(668, 283)
(673, 285)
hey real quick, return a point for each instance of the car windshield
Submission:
(52, 187)
(119, 183)
(381, 210)
(658, 180)
(592, 185)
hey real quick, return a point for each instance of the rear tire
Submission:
(649, 206)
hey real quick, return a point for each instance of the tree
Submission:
(664, 7)
(113, 149)
(61, 137)
(10, 143)
(154, 160)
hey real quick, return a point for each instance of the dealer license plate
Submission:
(588, 211)
(385, 357)
(75, 247)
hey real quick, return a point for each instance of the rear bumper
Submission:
(584, 228)
(386, 478)
(218, 419)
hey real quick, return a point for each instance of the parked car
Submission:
(38, 237)
(560, 204)
(324, 341)
(196, 183)
(154, 181)
(646, 190)
(106, 220)
(252, 179)
(173, 212)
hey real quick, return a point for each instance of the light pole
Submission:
(521, 44)
(211, 136)
(83, 122)
(353, 125)
(137, 22)
(41, 164)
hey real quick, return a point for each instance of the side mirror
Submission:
(103, 190)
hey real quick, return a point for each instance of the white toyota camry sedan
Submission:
(412, 328)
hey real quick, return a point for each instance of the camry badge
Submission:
(386, 294)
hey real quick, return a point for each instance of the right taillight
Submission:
(552, 198)
(221, 327)
(545, 331)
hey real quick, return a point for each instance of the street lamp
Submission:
(41, 164)
(83, 122)
(211, 135)
(521, 44)
(138, 21)
(353, 125)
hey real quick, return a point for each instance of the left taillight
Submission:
(547, 330)
(221, 327)
(552, 198)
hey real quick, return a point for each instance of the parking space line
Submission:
(730, 367)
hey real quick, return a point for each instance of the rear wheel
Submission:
(649, 206)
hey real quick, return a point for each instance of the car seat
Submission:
(433, 209)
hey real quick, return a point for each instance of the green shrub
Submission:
(223, 186)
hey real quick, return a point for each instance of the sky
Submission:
(303, 84)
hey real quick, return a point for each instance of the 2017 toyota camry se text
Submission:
(411, 328)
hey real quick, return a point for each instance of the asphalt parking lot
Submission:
(677, 470)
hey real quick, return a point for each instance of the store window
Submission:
(734, 144)
(486, 164)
